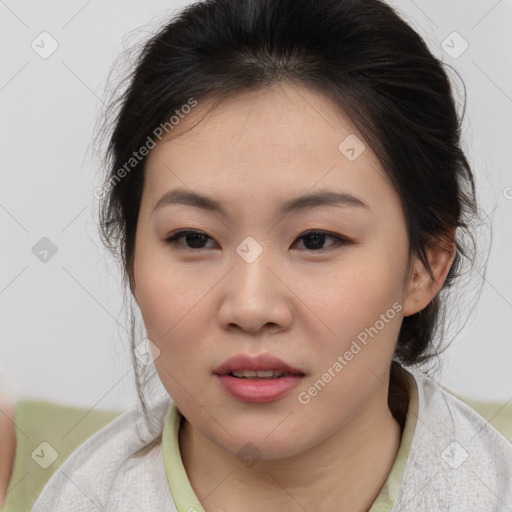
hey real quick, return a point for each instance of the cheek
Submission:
(156, 286)
(361, 300)
(175, 312)
(166, 306)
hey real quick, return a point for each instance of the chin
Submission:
(250, 447)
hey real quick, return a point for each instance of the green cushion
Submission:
(498, 414)
(64, 428)
(61, 429)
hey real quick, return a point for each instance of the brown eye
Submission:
(193, 239)
(196, 240)
(314, 240)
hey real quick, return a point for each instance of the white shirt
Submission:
(457, 462)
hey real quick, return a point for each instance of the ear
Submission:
(419, 288)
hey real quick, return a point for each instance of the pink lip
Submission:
(257, 390)
(261, 362)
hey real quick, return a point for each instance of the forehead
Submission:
(282, 139)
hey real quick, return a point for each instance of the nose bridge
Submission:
(251, 274)
(254, 296)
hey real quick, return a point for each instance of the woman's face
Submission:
(254, 282)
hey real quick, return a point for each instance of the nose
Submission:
(255, 297)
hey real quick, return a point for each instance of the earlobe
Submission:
(421, 288)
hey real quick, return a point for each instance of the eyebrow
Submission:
(305, 202)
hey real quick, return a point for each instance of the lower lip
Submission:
(258, 390)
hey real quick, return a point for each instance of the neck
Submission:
(345, 472)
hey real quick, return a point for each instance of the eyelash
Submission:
(173, 239)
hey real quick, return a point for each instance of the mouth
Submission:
(263, 378)
(260, 374)
(263, 366)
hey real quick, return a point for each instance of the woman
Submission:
(289, 199)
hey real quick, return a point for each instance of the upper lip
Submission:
(260, 362)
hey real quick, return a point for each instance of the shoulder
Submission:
(115, 467)
(457, 459)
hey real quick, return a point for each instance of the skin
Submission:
(305, 306)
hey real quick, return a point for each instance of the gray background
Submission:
(63, 333)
